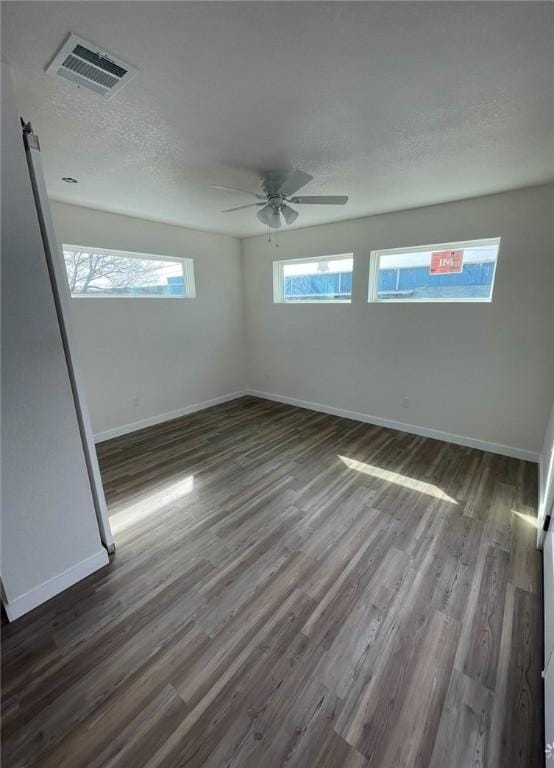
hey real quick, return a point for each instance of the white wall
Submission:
(476, 371)
(168, 353)
(483, 371)
(50, 535)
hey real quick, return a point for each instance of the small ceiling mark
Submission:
(70, 180)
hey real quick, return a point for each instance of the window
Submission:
(325, 279)
(448, 272)
(99, 272)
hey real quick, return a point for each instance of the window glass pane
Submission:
(326, 279)
(108, 273)
(447, 273)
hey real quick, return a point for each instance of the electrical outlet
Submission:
(405, 402)
(136, 402)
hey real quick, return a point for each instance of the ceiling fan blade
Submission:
(238, 207)
(320, 200)
(236, 189)
(269, 216)
(289, 214)
(294, 182)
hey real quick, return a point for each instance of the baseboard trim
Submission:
(52, 587)
(151, 421)
(414, 429)
(470, 442)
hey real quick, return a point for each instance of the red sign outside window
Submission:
(446, 261)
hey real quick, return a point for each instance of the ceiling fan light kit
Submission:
(280, 189)
(289, 214)
(268, 215)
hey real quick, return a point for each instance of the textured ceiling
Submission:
(396, 104)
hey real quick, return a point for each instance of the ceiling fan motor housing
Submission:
(276, 201)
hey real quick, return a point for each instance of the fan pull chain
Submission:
(276, 236)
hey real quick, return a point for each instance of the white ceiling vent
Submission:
(86, 65)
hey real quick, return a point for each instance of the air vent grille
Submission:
(100, 61)
(87, 66)
(85, 70)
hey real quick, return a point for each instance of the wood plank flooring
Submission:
(291, 589)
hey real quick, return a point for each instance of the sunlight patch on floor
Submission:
(397, 479)
(150, 503)
(529, 519)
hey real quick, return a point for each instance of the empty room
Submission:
(277, 384)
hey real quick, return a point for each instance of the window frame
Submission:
(373, 281)
(186, 261)
(278, 281)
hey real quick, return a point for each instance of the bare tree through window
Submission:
(106, 273)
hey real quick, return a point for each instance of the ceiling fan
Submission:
(280, 189)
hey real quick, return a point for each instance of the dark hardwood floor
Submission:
(291, 589)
